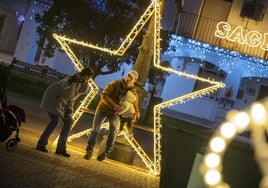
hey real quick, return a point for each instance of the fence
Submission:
(37, 70)
(203, 29)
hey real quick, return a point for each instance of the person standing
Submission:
(58, 100)
(108, 108)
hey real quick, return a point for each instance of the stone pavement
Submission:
(26, 167)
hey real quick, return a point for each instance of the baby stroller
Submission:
(10, 121)
(11, 116)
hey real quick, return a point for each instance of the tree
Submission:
(102, 22)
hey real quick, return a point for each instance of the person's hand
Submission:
(134, 118)
(62, 101)
(117, 108)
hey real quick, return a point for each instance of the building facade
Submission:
(194, 48)
(223, 40)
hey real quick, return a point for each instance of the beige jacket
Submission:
(126, 104)
(61, 96)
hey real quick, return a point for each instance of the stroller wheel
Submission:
(11, 145)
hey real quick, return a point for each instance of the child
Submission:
(127, 110)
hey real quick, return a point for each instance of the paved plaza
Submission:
(26, 167)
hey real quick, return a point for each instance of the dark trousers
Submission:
(124, 121)
(54, 121)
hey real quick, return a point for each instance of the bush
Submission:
(27, 84)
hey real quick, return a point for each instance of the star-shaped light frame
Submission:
(154, 8)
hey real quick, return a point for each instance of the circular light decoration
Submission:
(241, 121)
(258, 113)
(212, 160)
(213, 177)
(253, 119)
(217, 144)
(228, 130)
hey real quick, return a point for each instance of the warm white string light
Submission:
(226, 59)
(237, 34)
(154, 8)
(253, 119)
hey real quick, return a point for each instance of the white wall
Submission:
(177, 86)
(26, 47)
(220, 13)
(9, 33)
(246, 84)
(236, 67)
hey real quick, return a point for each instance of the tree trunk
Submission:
(145, 56)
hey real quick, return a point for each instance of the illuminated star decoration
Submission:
(153, 165)
(253, 119)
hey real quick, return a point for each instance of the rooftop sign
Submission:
(252, 38)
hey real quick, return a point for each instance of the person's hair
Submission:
(87, 71)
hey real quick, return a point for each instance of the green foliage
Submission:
(33, 86)
(105, 23)
(27, 84)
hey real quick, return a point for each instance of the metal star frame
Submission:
(154, 8)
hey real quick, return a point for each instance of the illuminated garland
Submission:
(227, 60)
(253, 119)
(154, 7)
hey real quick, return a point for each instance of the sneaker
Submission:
(88, 155)
(102, 156)
(63, 153)
(41, 148)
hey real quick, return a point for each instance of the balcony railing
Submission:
(203, 29)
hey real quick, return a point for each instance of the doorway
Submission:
(263, 92)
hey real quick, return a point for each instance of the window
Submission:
(252, 10)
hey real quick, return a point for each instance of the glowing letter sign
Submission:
(252, 38)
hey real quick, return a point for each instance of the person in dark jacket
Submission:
(58, 100)
(109, 108)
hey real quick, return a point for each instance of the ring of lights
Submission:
(253, 119)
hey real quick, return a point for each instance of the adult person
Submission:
(227, 97)
(4, 73)
(58, 100)
(108, 108)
